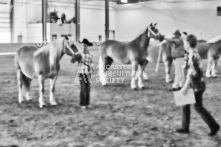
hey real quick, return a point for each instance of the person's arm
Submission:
(175, 41)
(186, 85)
(190, 73)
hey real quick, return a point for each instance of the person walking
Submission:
(194, 80)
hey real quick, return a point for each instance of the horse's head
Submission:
(70, 46)
(154, 33)
(76, 58)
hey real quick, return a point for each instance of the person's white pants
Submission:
(179, 73)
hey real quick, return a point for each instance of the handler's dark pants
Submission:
(205, 115)
(85, 89)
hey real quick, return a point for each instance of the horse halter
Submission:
(153, 33)
(69, 48)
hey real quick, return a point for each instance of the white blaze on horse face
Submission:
(67, 46)
(150, 32)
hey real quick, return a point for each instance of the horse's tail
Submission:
(16, 61)
(21, 77)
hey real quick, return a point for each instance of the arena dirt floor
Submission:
(119, 117)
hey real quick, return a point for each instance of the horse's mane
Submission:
(53, 50)
(138, 39)
(215, 39)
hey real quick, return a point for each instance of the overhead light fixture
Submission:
(124, 1)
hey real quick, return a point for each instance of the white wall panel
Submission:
(194, 17)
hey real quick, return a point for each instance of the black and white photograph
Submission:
(110, 73)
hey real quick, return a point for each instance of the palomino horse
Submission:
(42, 63)
(134, 53)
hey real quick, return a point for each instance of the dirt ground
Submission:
(119, 117)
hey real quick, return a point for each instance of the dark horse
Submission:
(42, 63)
(134, 53)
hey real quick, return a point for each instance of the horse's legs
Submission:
(52, 89)
(27, 94)
(19, 79)
(214, 66)
(167, 65)
(142, 66)
(209, 67)
(102, 74)
(134, 72)
(145, 76)
(103, 67)
(140, 76)
(41, 91)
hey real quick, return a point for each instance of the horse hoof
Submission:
(169, 81)
(53, 104)
(42, 106)
(29, 100)
(214, 76)
(134, 88)
(141, 87)
(208, 76)
(145, 78)
(104, 84)
(20, 102)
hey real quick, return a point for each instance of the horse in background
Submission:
(213, 48)
(133, 52)
(42, 63)
(210, 50)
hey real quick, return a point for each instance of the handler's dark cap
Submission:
(85, 41)
(177, 32)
